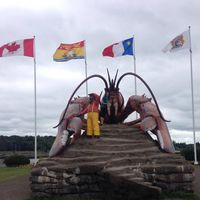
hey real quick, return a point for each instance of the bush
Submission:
(16, 160)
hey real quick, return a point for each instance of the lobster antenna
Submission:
(133, 74)
(100, 94)
(90, 77)
(109, 77)
(116, 76)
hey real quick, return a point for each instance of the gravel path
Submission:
(19, 189)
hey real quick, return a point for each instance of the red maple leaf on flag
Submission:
(18, 48)
(12, 47)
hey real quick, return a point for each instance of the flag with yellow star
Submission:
(122, 48)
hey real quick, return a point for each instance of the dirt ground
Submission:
(19, 189)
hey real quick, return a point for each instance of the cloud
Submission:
(101, 23)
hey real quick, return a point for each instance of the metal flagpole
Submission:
(192, 93)
(35, 105)
(134, 59)
(85, 67)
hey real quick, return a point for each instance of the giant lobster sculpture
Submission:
(150, 116)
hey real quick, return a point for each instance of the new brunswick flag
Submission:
(66, 52)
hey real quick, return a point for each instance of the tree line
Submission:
(187, 150)
(44, 143)
(26, 143)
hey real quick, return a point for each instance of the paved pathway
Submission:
(197, 181)
(17, 189)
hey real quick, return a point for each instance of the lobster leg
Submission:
(75, 125)
(132, 123)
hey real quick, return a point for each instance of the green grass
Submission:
(179, 195)
(60, 198)
(8, 173)
(164, 196)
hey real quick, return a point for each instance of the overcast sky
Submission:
(101, 23)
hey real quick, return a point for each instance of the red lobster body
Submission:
(151, 118)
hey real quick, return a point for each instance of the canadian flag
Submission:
(18, 48)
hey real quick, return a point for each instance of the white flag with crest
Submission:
(182, 41)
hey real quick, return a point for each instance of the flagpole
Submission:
(134, 59)
(85, 67)
(192, 93)
(35, 106)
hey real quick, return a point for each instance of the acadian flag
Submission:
(66, 52)
(18, 48)
(122, 48)
(182, 41)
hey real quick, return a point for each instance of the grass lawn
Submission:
(179, 196)
(60, 198)
(8, 173)
(164, 196)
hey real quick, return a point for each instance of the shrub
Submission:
(16, 160)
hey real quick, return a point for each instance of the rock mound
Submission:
(124, 162)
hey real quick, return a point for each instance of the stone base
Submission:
(123, 163)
